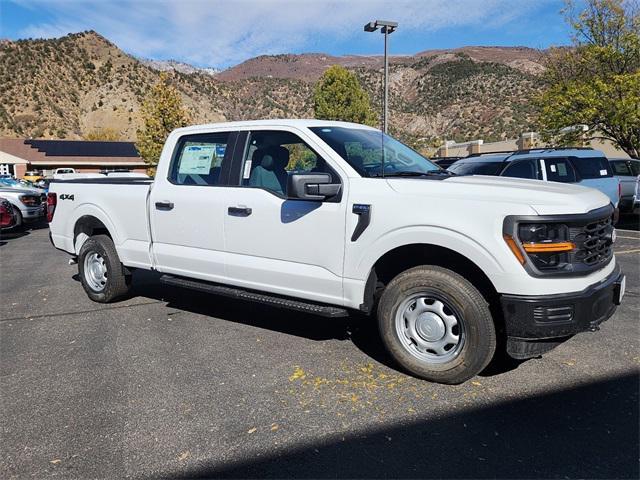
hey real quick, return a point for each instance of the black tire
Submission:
(117, 282)
(19, 220)
(475, 330)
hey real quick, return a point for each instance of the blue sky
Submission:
(221, 33)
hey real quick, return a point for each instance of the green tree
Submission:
(162, 112)
(597, 82)
(339, 96)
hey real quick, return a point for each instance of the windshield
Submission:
(476, 168)
(374, 154)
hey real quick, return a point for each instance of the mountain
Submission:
(71, 86)
(174, 65)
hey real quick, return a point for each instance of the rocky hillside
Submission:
(74, 85)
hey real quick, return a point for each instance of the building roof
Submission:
(70, 152)
(75, 148)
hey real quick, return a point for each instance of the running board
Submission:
(265, 298)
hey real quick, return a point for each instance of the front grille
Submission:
(594, 243)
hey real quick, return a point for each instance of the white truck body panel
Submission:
(303, 248)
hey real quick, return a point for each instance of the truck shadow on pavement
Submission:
(588, 431)
(360, 329)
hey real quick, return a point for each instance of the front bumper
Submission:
(536, 324)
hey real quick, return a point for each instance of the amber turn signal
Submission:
(514, 248)
(549, 247)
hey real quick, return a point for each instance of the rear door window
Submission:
(198, 159)
(592, 167)
(559, 170)
(522, 169)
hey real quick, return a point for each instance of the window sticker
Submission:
(196, 159)
(562, 169)
(553, 168)
(247, 169)
(603, 173)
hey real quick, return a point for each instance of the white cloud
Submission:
(224, 32)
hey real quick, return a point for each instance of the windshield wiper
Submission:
(415, 174)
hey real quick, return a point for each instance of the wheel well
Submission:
(402, 258)
(89, 225)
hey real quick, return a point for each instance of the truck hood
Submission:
(546, 198)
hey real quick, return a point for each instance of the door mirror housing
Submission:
(311, 186)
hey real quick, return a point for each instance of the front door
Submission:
(188, 207)
(292, 247)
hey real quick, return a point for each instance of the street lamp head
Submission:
(370, 27)
(386, 26)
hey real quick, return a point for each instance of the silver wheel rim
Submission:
(429, 329)
(95, 271)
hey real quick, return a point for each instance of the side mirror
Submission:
(311, 186)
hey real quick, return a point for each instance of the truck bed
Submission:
(120, 204)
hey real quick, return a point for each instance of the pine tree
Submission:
(162, 112)
(339, 96)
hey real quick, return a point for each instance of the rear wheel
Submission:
(436, 325)
(101, 272)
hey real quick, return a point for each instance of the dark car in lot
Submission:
(445, 162)
(628, 172)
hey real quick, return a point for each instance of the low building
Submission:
(18, 156)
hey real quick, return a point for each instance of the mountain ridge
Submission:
(71, 86)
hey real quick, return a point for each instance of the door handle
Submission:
(239, 211)
(164, 205)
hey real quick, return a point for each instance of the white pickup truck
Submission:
(328, 217)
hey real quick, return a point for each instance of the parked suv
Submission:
(327, 217)
(580, 166)
(628, 172)
(27, 204)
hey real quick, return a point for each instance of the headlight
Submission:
(30, 200)
(546, 245)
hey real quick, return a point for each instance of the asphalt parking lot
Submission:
(171, 383)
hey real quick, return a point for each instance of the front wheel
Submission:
(101, 273)
(436, 325)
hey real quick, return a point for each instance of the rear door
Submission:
(188, 206)
(292, 247)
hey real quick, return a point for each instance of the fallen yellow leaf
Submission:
(56, 461)
(252, 430)
(184, 455)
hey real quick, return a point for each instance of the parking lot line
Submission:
(637, 250)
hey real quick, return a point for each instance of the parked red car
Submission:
(7, 215)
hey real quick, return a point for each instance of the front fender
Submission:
(460, 243)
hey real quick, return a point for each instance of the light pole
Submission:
(386, 28)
